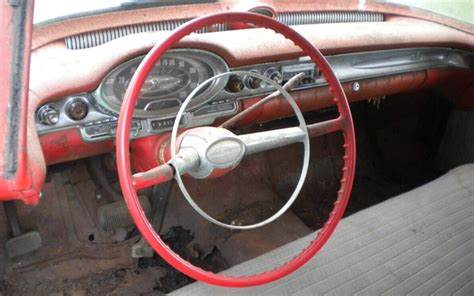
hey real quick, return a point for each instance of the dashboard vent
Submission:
(96, 38)
(328, 17)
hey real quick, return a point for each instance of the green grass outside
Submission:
(459, 9)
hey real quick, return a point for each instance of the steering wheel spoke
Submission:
(157, 175)
(325, 127)
(186, 160)
(261, 141)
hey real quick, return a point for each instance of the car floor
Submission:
(394, 155)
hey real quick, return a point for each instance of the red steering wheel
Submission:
(130, 184)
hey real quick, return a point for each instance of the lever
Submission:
(289, 85)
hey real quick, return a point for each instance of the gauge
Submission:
(77, 108)
(167, 85)
(165, 81)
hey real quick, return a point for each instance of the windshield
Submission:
(46, 10)
(49, 10)
(462, 10)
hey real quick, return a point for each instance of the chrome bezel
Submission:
(213, 61)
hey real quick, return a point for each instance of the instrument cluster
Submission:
(167, 85)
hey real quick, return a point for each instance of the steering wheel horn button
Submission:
(217, 148)
(226, 152)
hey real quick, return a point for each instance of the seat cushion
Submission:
(420, 243)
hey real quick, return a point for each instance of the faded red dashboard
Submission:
(66, 145)
(57, 71)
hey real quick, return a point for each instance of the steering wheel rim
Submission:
(123, 153)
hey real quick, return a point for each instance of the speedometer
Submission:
(167, 85)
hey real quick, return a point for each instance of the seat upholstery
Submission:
(419, 243)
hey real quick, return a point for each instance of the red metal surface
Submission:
(21, 177)
(124, 167)
(146, 151)
(66, 145)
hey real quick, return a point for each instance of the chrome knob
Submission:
(274, 75)
(253, 82)
(235, 84)
(48, 115)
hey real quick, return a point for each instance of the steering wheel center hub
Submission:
(217, 148)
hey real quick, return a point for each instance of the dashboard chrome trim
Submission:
(348, 68)
(365, 65)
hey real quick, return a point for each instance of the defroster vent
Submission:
(96, 38)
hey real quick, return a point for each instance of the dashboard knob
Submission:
(274, 75)
(235, 84)
(253, 82)
(77, 108)
(48, 115)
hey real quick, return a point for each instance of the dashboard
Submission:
(179, 71)
(76, 69)
(80, 66)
